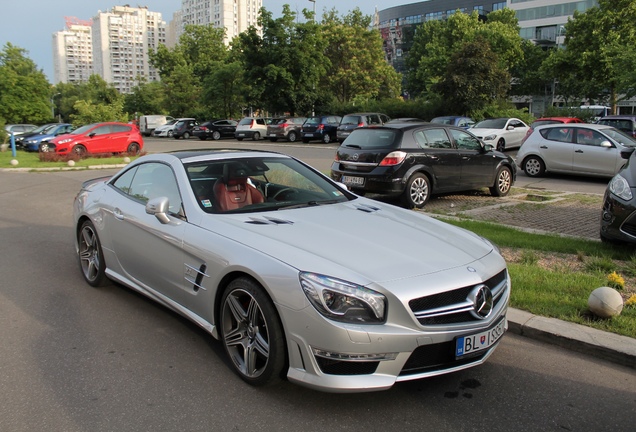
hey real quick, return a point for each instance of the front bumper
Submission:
(618, 219)
(345, 358)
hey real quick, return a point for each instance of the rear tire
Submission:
(133, 149)
(256, 136)
(216, 135)
(186, 135)
(326, 138)
(417, 191)
(292, 137)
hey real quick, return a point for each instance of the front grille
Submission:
(339, 367)
(450, 307)
(436, 357)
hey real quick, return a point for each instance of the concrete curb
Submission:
(604, 345)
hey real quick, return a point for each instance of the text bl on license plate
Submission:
(479, 341)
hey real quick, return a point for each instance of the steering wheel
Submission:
(279, 195)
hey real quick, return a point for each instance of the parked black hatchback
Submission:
(350, 122)
(417, 160)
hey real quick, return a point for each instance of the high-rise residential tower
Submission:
(73, 52)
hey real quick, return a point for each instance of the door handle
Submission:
(543, 147)
(579, 151)
(118, 214)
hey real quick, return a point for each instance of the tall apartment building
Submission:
(73, 52)
(235, 16)
(122, 38)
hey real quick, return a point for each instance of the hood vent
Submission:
(268, 221)
(367, 208)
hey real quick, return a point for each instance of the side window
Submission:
(465, 140)
(559, 134)
(433, 138)
(589, 137)
(150, 181)
(373, 119)
(260, 121)
(102, 130)
(120, 128)
(123, 182)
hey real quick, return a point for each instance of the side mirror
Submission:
(159, 208)
(488, 147)
(510, 128)
(626, 153)
(606, 144)
(92, 134)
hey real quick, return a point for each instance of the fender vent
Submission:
(367, 208)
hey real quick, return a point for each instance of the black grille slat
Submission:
(436, 357)
(339, 367)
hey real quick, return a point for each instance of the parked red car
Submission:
(96, 138)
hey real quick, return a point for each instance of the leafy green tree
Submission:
(436, 42)
(356, 69)
(87, 112)
(95, 93)
(146, 98)
(183, 91)
(282, 61)
(25, 93)
(473, 78)
(598, 62)
(224, 89)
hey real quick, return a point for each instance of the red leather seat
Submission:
(234, 191)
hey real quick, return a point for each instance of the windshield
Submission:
(258, 184)
(83, 129)
(619, 136)
(42, 129)
(491, 124)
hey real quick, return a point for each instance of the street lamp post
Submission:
(314, 2)
(53, 105)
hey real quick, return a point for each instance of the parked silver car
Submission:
(574, 148)
(291, 272)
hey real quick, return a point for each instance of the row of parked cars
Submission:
(94, 138)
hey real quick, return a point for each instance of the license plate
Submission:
(474, 343)
(356, 181)
(309, 135)
(272, 135)
(241, 134)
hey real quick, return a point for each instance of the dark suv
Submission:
(626, 123)
(321, 128)
(359, 120)
(287, 128)
(184, 127)
(416, 160)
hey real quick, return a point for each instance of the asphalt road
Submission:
(75, 358)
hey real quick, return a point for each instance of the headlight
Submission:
(343, 301)
(619, 187)
(64, 141)
(490, 137)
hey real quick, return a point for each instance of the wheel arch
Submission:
(420, 169)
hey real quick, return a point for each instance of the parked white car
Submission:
(587, 149)
(254, 128)
(166, 129)
(501, 133)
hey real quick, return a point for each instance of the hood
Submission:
(378, 242)
(483, 132)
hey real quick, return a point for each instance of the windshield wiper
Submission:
(307, 204)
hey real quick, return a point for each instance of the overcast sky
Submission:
(30, 24)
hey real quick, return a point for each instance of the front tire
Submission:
(251, 332)
(501, 144)
(79, 150)
(90, 255)
(533, 166)
(417, 192)
(503, 182)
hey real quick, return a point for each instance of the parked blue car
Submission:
(459, 121)
(33, 142)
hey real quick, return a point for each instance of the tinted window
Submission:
(350, 120)
(491, 124)
(433, 138)
(372, 138)
(150, 181)
(245, 121)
